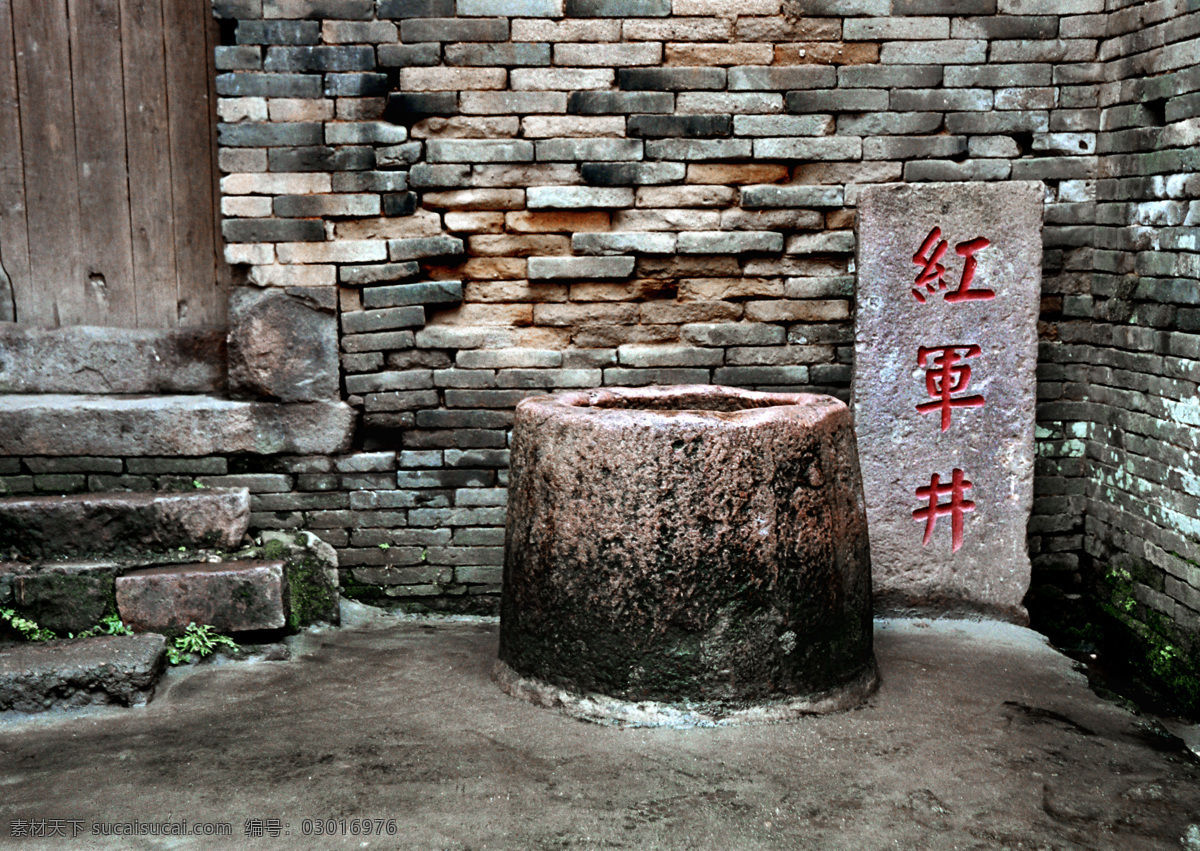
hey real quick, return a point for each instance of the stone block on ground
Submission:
(310, 566)
(96, 523)
(67, 598)
(232, 597)
(283, 344)
(944, 388)
(116, 669)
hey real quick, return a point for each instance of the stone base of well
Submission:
(699, 547)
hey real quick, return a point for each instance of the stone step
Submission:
(40, 527)
(237, 596)
(111, 669)
(124, 426)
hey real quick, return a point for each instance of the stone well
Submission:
(693, 553)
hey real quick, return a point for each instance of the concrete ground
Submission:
(981, 736)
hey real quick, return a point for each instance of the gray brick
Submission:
(509, 358)
(636, 355)
(269, 135)
(585, 150)
(237, 9)
(549, 379)
(671, 79)
(698, 150)
(320, 58)
(950, 52)
(408, 107)
(401, 400)
(337, 10)
(364, 133)
(386, 341)
(749, 376)
(828, 242)
(819, 148)
(249, 84)
(944, 7)
(408, 55)
(889, 76)
(895, 27)
(679, 126)
(479, 151)
(510, 55)
(238, 58)
(577, 198)
(180, 466)
(278, 32)
(632, 174)
(369, 181)
(886, 123)
(724, 242)
(356, 85)
(941, 100)
(579, 268)
(272, 230)
(465, 378)
(308, 206)
(425, 176)
(782, 125)
(403, 204)
(622, 377)
(942, 170)
(771, 196)
(430, 292)
(368, 362)
(589, 358)
(618, 8)
(376, 273)
(476, 458)
(625, 242)
(1007, 26)
(733, 334)
(321, 158)
(426, 246)
(417, 379)
(997, 75)
(398, 155)
(415, 8)
(994, 123)
(454, 29)
(386, 319)
(619, 103)
(838, 100)
(485, 398)
(913, 147)
(758, 78)
(513, 103)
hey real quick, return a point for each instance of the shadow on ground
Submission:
(981, 736)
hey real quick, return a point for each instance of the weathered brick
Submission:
(319, 58)
(451, 79)
(299, 206)
(608, 55)
(272, 230)
(950, 52)
(356, 85)
(560, 79)
(277, 32)
(322, 158)
(625, 242)
(698, 150)
(762, 197)
(523, 54)
(895, 28)
(733, 334)
(414, 30)
(941, 100)
(635, 355)
(416, 8)
(557, 222)
(512, 103)
(476, 199)
(618, 8)
(511, 8)
(342, 10)
(889, 76)
(837, 100)
(671, 79)
(719, 242)
(579, 268)
(589, 150)
(749, 376)
(610, 103)
(998, 75)
(809, 148)
(577, 197)
(386, 319)
(826, 53)
(250, 84)
(268, 135)
(783, 125)
(680, 126)
(479, 151)
(632, 173)
(408, 55)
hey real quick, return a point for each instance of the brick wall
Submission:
(518, 197)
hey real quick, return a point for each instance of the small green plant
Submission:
(109, 625)
(385, 546)
(28, 629)
(197, 641)
(425, 554)
(198, 484)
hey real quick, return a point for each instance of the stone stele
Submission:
(949, 285)
(701, 547)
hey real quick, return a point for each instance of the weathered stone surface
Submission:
(283, 344)
(119, 426)
(311, 568)
(944, 390)
(120, 669)
(231, 597)
(84, 359)
(690, 543)
(66, 600)
(92, 524)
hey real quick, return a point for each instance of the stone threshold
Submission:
(192, 425)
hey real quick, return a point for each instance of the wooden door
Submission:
(108, 193)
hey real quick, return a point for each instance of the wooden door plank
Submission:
(14, 233)
(106, 243)
(148, 140)
(185, 27)
(224, 281)
(48, 146)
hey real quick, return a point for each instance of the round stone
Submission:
(700, 548)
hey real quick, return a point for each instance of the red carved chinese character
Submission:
(932, 276)
(964, 292)
(945, 376)
(927, 258)
(956, 507)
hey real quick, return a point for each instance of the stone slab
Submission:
(123, 426)
(116, 669)
(283, 344)
(92, 524)
(230, 596)
(84, 359)
(944, 386)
